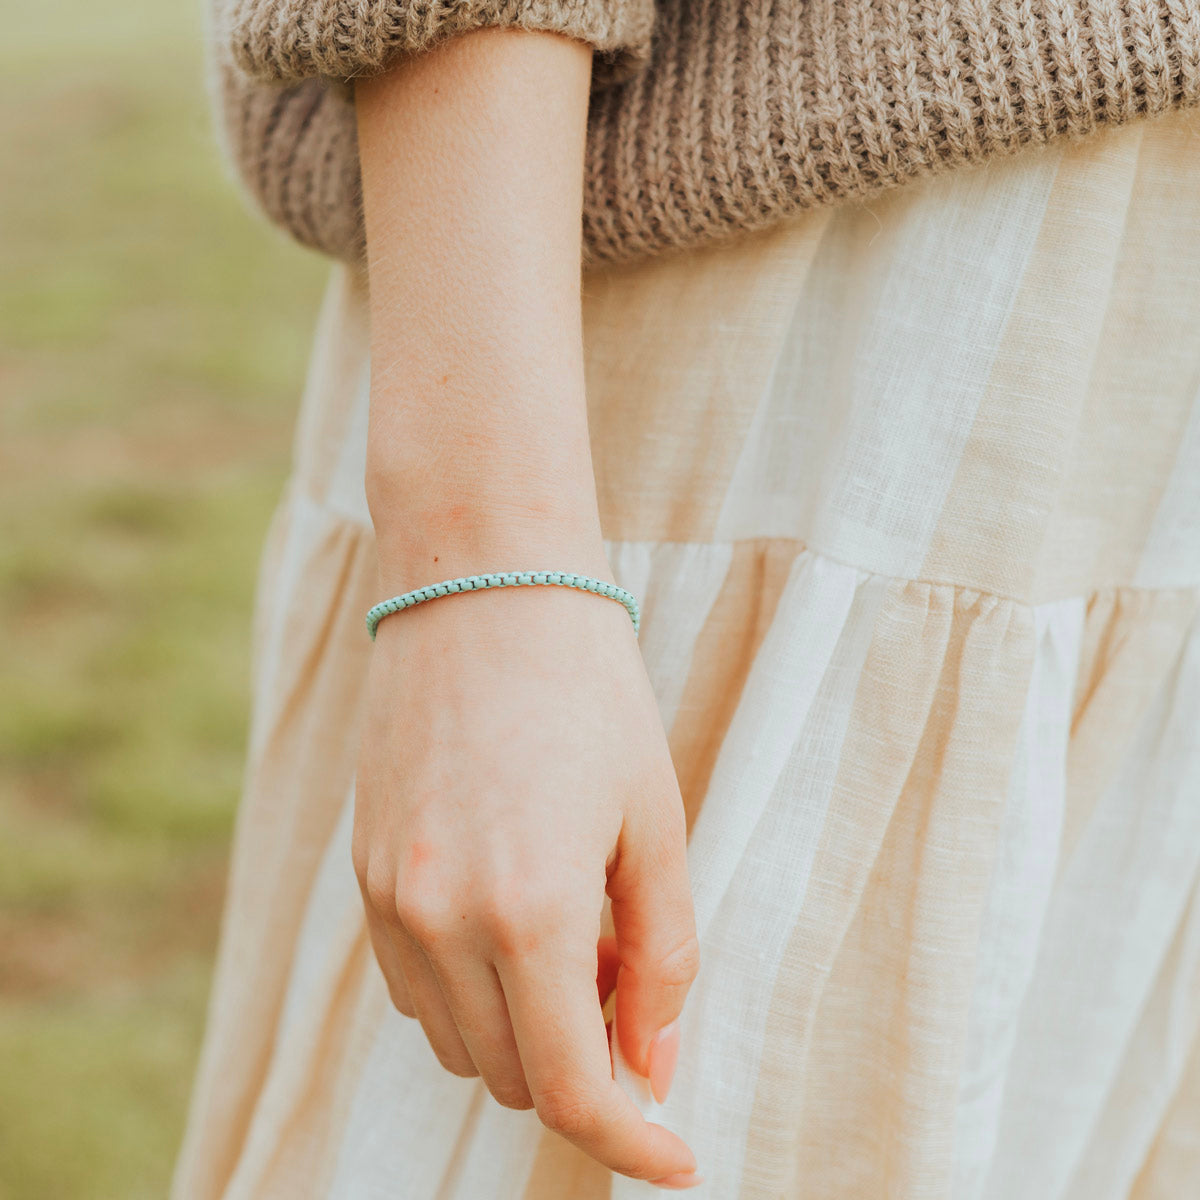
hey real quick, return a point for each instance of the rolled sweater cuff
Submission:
(290, 40)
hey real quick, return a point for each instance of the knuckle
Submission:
(379, 886)
(456, 1064)
(512, 1096)
(420, 912)
(569, 1112)
(401, 1002)
(680, 966)
(518, 918)
(510, 933)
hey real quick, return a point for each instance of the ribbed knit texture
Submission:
(737, 113)
(290, 40)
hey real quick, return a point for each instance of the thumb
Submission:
(655, 929)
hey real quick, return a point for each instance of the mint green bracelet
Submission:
(473, 583)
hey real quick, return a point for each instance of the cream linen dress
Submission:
(910, 492)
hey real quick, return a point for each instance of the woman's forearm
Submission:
(472, 160)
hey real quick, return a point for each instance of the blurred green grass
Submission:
(153, 339)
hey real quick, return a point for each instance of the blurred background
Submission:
(153, 342)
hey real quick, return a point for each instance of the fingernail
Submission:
(664, 1050)
(680, 1180)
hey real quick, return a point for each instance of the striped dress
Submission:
(910, 492)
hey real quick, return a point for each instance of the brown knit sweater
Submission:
(710, 116)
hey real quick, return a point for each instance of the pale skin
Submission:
(514, 767)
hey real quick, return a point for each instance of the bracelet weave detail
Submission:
(474, 583)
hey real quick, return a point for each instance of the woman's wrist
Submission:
(455, 534)
(455, 496)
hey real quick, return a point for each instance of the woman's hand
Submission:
(514, 767)
(514, 764)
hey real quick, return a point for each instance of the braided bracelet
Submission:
(473, 583)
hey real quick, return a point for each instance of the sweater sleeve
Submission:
(290, 40)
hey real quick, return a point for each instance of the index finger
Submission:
(561, 1039)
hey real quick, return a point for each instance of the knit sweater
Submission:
(710, 116)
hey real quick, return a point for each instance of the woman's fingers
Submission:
(655, 924)
(559, 1029)
(476, 1002)
(389, 963)
(430, 1004)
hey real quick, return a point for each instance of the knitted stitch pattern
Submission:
(734, 114)
(289, 40)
